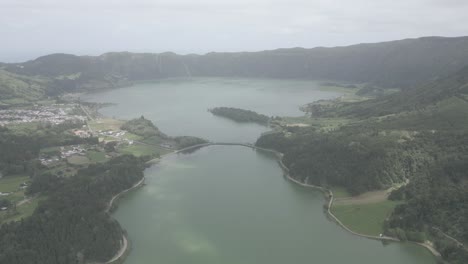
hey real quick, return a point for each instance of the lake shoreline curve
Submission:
(328, 194)
(124, 250)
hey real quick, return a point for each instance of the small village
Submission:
(53, 114)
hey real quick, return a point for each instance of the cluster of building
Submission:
(54, 114)
(49, 161)
(115, 134)
(82, 133)
(111, 133)
(65, 152)
(71, 151)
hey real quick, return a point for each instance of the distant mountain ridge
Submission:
(402, 63)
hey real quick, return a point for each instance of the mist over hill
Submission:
(402, 64)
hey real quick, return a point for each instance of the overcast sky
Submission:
(30, 28)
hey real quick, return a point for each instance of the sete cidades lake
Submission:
(231, 204)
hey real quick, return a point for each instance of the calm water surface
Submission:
(180, 107)
(225, 204)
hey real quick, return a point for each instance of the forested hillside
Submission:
(419, 99)
(419, 135)
(71, 225)
(399, 64)
(142, 127)
(20, 89)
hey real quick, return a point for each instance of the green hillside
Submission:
(20, 89)
(400, 64)
(419, 135)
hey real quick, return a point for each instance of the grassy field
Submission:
(20, 89)
(62, 170)
(105, 124)
(78, 160)
(324, 124)
(131, 136)
(330, 124)
(12, 183)
(340, 192)
(153, 140)
(23, 127)
(142, 150)
(366, 219)
(23, 211)
(50, 150)
(96, 156)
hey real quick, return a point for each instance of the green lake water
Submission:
(230, 204)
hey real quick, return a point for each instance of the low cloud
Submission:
(91, 26)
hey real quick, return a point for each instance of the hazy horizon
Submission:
(25, 57)
(38, 27)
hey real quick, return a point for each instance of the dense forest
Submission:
(71, 225)
(240, 115)
(188, 141)
(142, 127)
(356, 159)
(437, 205)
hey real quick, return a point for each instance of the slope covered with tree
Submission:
(240, 115)
(401, 64)
(418, 135)
(142, 127)
(71, 225)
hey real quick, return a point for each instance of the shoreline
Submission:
(124, 249)
(328, 194)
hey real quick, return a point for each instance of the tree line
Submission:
(71, 225)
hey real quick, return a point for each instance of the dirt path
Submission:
(366, 198)
(27, 200)
(460, 244)
(329, 194)
(124, 245)
(111, 202)
(121, 252)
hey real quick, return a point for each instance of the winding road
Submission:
(327, 192)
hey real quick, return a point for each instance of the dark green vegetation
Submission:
(19, 146)
(152, 136)
(187, 141)
(71, 225)
(20, 89)
(366, 219)
(420, 134)
(401, 64)
(142, 127)
(240, 115)
(437, 203)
